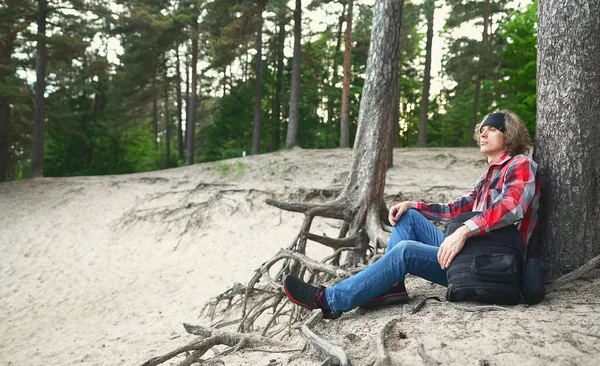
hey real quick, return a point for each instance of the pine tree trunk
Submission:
(167, 122)
(292, 131)
(480, 75)
(429, 8)
(345, 123)
(37, 160)
(334, 76)
(6, 70)
(276, 121)
(179, 107)
(258, 88)
(567, 136)
(155, 113)
(187, 100)
(191, 122)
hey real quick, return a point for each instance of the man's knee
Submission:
(401, 247)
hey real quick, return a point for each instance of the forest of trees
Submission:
(202, 80)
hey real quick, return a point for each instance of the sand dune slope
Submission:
(104, 270)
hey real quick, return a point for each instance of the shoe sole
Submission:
(392, 299)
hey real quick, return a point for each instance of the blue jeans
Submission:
(412, 248)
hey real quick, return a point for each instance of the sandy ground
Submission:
(104, 270)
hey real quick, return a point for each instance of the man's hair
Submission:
(516, 137)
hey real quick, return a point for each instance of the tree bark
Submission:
(179, 106)
(345, 123)
(191, 122)
(37, 159)
(429, 8)
(292, 131)
(276, 121)
(567, 138)
(258, 87)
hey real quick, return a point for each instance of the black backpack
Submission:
(489, 268)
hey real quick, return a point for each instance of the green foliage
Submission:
(231, 169)
(518, 85)
(100, 116)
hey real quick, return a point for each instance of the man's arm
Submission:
(438, 211)
(445, 212)
(452, 245)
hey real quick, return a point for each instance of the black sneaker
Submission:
(395, 295)
(308, 296)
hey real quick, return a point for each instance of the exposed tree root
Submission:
(383, 359)
(591, 265)
(323, 349)
(210, 337)
(470, 309)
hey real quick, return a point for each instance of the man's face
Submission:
(491, 141)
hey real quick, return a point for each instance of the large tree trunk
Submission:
(6, 70)
(179, 106)
(191, 122)
(429, 8)
(292, 131)
(334, 76)
(480, 74)
(37, 160)
(258, 87)
(345, 123)
(567, 135)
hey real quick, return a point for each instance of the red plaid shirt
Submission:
(507, 193)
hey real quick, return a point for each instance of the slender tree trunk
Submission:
(37, 160)
(429, 8)
(258, 88)
(480, 74)
(334, 76)
(179, 106)
(276, 121)
(292, 131)
(345, 121)
(567, 137)
(155, 113)
(167, 122)
(6, 70)
(187, 99)
(191, 123)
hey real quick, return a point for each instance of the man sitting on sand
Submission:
(506, 194)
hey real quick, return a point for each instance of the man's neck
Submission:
(492, 158)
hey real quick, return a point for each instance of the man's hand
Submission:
(397, 210)
(452, 245)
